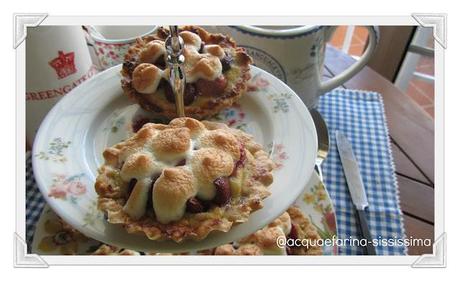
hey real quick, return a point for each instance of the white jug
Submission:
(295, 54)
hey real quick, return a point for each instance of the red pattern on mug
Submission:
(64, 64)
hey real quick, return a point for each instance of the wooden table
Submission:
(412, 139)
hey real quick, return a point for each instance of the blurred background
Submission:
(404, 56)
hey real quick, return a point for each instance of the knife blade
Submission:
(355, 187)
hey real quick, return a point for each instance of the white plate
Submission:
(68, 150)
(314, 201)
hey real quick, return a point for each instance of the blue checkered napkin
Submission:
(34, 202)
(361, 117)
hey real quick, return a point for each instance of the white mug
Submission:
(57, 60)
(111, 42)
(295, 54)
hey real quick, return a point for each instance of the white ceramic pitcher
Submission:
(57, 60)
(295, 54)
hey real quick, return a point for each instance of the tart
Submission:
(108, 250)
(291, 224)
(216, 71)
(183, 180)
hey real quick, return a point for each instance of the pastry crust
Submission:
(203, 51)
(263, 242)
(147, 180)
(108, 250)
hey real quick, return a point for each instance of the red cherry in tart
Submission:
(226, 63)
(211, 88)
(293, 234)
(194, 206)
(223, 192)
(189, 93)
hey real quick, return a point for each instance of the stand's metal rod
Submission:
(174, 47)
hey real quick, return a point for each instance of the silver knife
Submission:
(356, 188)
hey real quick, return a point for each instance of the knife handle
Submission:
(365, 233)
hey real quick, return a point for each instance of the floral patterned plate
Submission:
(52, 237)
(68, 151)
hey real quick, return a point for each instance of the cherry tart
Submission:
(292, 224)
(217, 72)
(183, 180)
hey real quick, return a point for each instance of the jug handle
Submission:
(344, 76)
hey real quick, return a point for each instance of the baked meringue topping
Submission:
(147, 76)
(164, 172)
